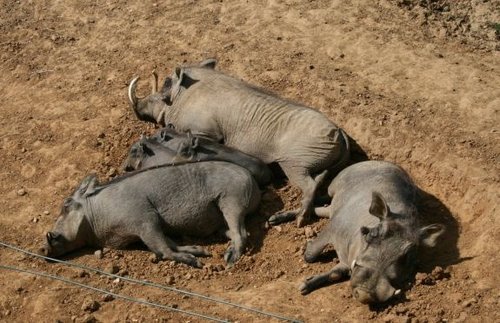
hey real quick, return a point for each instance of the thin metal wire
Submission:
(147, 283)
(104, 291)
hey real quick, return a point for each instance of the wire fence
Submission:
(140, 282)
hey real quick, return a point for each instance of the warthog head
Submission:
(152, 107)
(72, 229)
(389, 251)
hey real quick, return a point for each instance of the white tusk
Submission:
(397, 292)
(353, 263)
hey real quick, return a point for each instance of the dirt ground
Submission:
(413, 82)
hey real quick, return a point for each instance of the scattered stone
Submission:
(35, 220)
(89, 319)
(7, 312)
(438, 273)
(21, 192)
(123, 272)
(278, 274)
(46, 212)
(278, 228)
(423, 279)
(469, 302)
(99, 254)
(309, 232)
(153, 258)
(111, 269)
(107, 298)
(188, 276)
(112, 172)
(83, 273)
(170, 280)
(116, 281)
(90, 305)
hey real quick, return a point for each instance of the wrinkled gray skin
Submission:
(170, 146)
(304, 142)
(374, 226)
(194, 199)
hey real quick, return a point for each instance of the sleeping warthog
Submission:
(375, 229)
(301, 140)
(149, 205)
(170, 146)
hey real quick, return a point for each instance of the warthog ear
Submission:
(379, 207)
(430, 234)
(87, 186)
(183, 81)
(210, 63)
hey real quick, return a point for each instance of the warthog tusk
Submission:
(353, 263)
(131, 92)
(397, 292)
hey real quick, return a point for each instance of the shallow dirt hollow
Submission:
(413, 82)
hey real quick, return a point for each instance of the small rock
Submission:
(123, 272)
(116, 281)
(46, 212)
(21, 192)
(153, 258)
(7, 312)
(90, 305)
(188, 276)
(89, 319)
(107, 298)
(23, 150)
(309, 232)
(111, 269)
(83, 273)
(99, 254)
(112, 172)
(170, 280)
(278, 228)
(35, 220)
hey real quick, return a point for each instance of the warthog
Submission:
(374, 226)
(304, 142)
(150, 205)
(170, 146)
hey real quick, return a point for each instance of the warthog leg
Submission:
(234, 215)
(308, 185)
(339, 272)
(164, 248)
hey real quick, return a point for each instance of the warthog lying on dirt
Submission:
(195, 199)
(170, 146)
(375, 229)
(301, 140)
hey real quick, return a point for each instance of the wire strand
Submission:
(104, 291)
(148, 283)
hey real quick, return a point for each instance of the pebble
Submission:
(116, 281)
(170, 280)
(188, 276)
(99, 254)
(111, 269)
(153, 258)
(46, 212)
(309, 232)
(90, 305)
(7, 312)
(83, 273)
(107, 298)
(278, 228)
(21, 192)
(89, 319)
(35, 220)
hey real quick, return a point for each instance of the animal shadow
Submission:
(446, 252)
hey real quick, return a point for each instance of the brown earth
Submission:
(414, 82)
